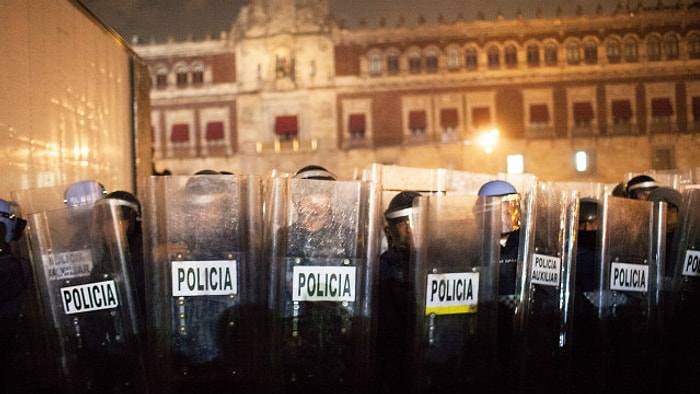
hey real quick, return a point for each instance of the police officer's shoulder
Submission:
(669, 195)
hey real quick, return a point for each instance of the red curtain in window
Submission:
(621, 109)
(449, 118)
(286, 124)
(180, 133)
(696, 108)
(661, 107)
(539, 113)
(481, 117)
(583, 112)
(215, 131)
(356, 123)
(417, 120)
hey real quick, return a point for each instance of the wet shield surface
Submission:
(204, 287)
(82, 270)
(321, 247)
(454, 284)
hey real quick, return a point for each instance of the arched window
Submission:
(550, 54)
(511, 55)
(453, 61)
(198, 74)
(392, 62)
(612, 50)
(671, 47)
(470, 59)
(573, 55)
(694, 46)
(590, 52)
(374, 63)
(161, 74)
(182, 75)
(494, 56)
(533, 55)
(431, 60)
(414, 62)
(631, 50)
(653, 49)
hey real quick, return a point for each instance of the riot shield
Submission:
(81, 267)
(205, 309)
(454, 271)
(623, 311)
(545, 346)
(683, 345)
(321, 250)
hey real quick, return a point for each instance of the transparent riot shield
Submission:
(455, 285)
(82, 271)
(545, 346)
(681, 324)
(322, 250)
(205, 304)
(623, 311)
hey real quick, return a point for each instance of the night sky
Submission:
(180, 19)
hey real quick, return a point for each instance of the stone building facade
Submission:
(288, 86)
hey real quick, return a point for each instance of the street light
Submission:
(488, 140)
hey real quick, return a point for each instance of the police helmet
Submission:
(640, 183)
(314, 172)
(83, 193)
(13, 225)
(127, 200)
(496, 188)
(400, 205)
(671, 196)
(588, 210)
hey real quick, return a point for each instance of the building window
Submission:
(414, 63)
(392, 63)
(161, 77)
(181, 73)
(583, 114)
(198, 74)
(694, 46)
(449, 121)
(375, 63)
(550, 54)
(180, 133)
(515, 164)
(214, 131)
(663, 159)
(631, 50)
(431, 61)
(511, 55)
(533, 55)
(671, 47)
(494, 56)
(356, 127)
(286, 127)
(621, 112)
(612, 51)
(653, 49)
(573, 55)
(590, 52)
(481, 118)
(695, 102)
(539, 116)
(470, 59)
(453, 59)
(417, 123)
(661, 111)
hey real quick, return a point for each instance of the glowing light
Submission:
(488, 140)
(515, 164)
(581, 160)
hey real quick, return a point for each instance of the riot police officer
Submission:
(14, 280)
(396, 309)
(640, 186)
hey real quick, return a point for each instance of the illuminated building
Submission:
(288, 86)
